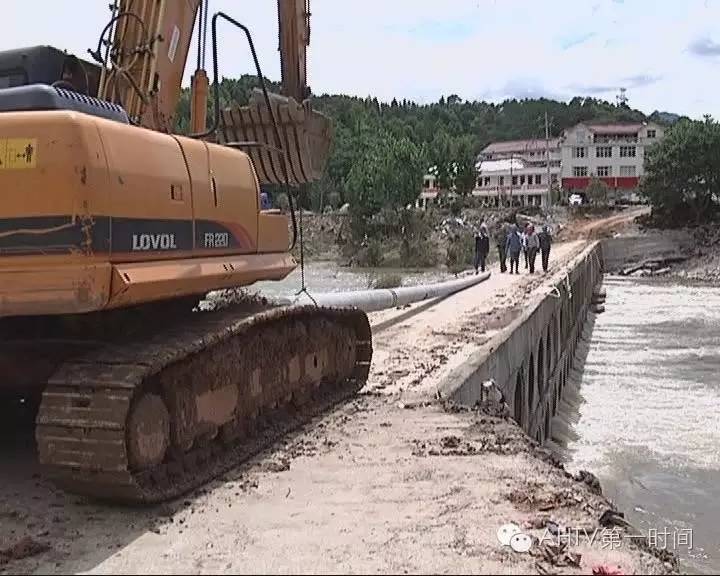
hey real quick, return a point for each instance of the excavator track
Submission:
(149, 419)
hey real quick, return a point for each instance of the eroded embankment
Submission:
(527, 368)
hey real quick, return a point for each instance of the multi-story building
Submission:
(614, 153)
(516, 172)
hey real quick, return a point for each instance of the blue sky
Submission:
(665, 53)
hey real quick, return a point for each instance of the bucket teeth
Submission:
(305, 138)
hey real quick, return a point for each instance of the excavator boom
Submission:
(145, 64)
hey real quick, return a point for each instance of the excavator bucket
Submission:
(305, 136)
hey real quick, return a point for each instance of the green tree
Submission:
(441, 157)
(682, 171)
(388, 175)
(597, 191)
(465, 160)
(448, 132)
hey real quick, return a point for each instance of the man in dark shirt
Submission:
(482, 247)
(545, 242)
(501, 233)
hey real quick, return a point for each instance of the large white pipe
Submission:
(383, 298)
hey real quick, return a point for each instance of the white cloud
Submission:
(422, 49)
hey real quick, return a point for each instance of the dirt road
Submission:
(597, 228)
(391, 481)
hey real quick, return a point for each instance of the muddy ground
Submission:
(375, 486)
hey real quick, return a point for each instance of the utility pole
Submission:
(622, 98)
(547, 159)
(511, 176)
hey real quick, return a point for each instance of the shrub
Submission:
(460, 253)
(389, 280)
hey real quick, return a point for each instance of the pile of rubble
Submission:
(648, 268)
(471, 220)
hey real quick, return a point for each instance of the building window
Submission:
(604, 171)
(538, 178)
(553, 178)
(522, 179)
(627, 151)
(555, 163)
(579, 152)
(501, 180)
(603, 152)
(487, 180)
(514, 180)
(426, 183)
(580, 171)
(627, 171)
(651, 133)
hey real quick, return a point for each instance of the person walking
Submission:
(523, 236)
(545, 239)
(513, 246)
(533, 245)
(482, 247)
(501, 234)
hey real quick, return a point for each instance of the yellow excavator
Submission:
(113, 229)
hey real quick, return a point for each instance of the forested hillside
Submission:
(416, 136)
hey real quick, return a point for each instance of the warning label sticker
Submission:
(18, 153)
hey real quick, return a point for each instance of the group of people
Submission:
(511, 240)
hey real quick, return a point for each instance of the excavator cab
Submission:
(45, 65)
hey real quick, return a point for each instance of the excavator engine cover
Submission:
(305, 136)
(38, 97)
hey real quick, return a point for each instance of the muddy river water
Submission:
(649, 425)
(329, 277)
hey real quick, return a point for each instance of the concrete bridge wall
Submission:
(530, 359)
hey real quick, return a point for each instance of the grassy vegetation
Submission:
(389, 280)
(460, 253)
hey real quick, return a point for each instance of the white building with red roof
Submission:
(614, 153)
(517, 172)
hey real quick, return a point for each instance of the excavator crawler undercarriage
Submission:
(146, 418)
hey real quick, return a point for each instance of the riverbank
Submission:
(442, 240)
(703, 263)
(689, 254)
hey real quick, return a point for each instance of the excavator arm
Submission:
(305, 135)
(294, 28)
(143, 70)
